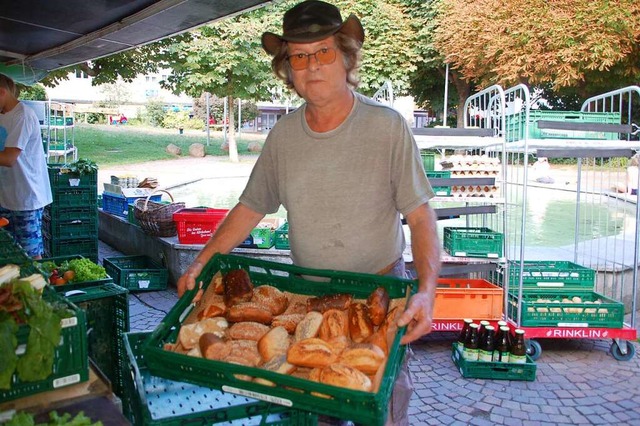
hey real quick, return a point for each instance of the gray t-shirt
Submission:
(344, 190)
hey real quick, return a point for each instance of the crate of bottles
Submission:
(107, 310)
(468, 298)
(545, 275)
(493, 370)
(473, 242)
(152, 400)
(136, 273)
(567, 308)
(282, 237)
(443, 191)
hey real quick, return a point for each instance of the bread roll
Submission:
(296, 308)
(277, 364)
(212, 311)
(378, 305)
(213, 347)
(247, 330)
(335, 323)
(309, 326)
(272, 298)
(311, 353)
(331, 301)
(216, 282)
(339, 343)
(360, 325)
(379, 338)
(345, 377)
(249, 311)
(246, 350)
(237, 287)
(391, 318)
(275, 342)
(288, 321)
(366, 357)
(189, 334)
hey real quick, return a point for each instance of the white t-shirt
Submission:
(344, 190)
(25, 186)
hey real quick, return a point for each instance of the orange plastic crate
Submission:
(195, 225)
(458, 298)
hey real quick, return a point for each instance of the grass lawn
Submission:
(113, 145)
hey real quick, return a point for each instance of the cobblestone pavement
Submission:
(578, 382)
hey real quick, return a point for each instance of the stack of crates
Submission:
(70, 223)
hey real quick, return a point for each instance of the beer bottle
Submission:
(503, 345)
(463, 334)
(501, 324)
(482, 328)
(518, 348)
(472, 343)
(487, 344)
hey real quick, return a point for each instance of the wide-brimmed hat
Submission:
(311, 21)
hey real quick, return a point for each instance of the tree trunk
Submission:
(233, 146)
(464, 90)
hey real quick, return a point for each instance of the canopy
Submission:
(40, 36)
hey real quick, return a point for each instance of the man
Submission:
(345, 168)
(24, 181)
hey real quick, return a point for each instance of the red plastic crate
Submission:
(458, 298)
(195, 225)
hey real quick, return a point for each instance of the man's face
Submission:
(317, 82)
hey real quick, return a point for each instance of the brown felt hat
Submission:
(311, 21)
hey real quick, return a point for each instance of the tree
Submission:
(33, 93)
(587, 45)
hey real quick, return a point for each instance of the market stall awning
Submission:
(40, 36)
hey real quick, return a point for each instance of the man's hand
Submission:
(418, 317)
(188, 280)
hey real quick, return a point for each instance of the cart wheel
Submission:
(534, 350)
(616, 351)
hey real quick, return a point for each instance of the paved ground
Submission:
(577, 381)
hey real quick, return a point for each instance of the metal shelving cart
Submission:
(57, 124)
(605, 227)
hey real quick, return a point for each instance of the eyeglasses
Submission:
(300, 61)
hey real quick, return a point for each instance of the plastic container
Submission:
(362, 407)
(562, 309)
(196, 225)
(61, 177)
(468, 298)
(151, 400)
(544, 275)
(428, 160)
(136, 273)
(70, 365)
(118, 205)
(86, 247)
(77, 285)
(493, 370)
(85, 226)
(65, 197)
(515, 125)
(282, 237)
(473, 242)
(444, 191)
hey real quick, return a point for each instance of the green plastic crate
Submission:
(65, 197)
(262, 238)
(473, 242)
(60, 176)
(544, 275)
(151, 400)
(537, 312)
(361, 407)
(282, 237)
(136, 273)
(516, 125)
(55, 247)
(79, 227)
(71, 286)
(428, 160)
(10, 251)
(440, 190)
(70, 365)
(107, 310)
(493, 370)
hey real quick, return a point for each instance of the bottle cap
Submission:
(490, 327)
(519, 331)
(473, 325)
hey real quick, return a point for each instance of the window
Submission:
(81, 74)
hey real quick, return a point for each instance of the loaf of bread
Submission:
(237, 287)
(249, 311)
(378, 305)
(248, 330)
(366, 357)
(214, 347)
(275, 342)
(309, 326)
(311, 353)
(335, 323)
(345, 377)
(211, 311)
(288, 321)
(189, 334)
(330, 301)
(272, 298)
(360, 325)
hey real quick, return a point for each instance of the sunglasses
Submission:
(300, 61)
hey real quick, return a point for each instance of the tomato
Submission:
(3, 222)
(69, 275)
(60, 281)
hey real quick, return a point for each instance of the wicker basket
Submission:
(157, 218)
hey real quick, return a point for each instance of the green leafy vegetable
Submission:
(86, 270)
(27, 419)
(8, 357)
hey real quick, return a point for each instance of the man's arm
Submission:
(232, 231)
(9, 156)
(425, 247)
